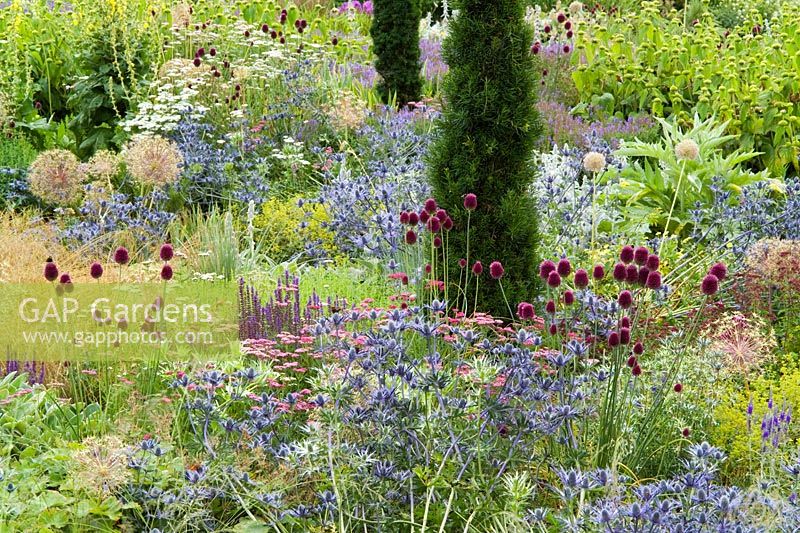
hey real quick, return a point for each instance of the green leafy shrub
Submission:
(747, 77)
(661, 186)
(282, 229)
(395, 36)
(486, 137)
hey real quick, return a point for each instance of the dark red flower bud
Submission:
(470, 202)
(564, 267)
(710, 285)
(545, 267)
(640, 255)
(404, 217)
(166, 272)
(613, 339)
(167, 252)
(678, 387)
(631, 361)
(50, 271)
(653, 262)
(569, 297)
(636, 371)
(550, 307)
(96, 270)
(643, 273)
(496, 270)
(619, 272)
(625, 299)
(581, 278)
(719, 270)
(411, 237)
(413, 218)
(477, 268)
(121, 256)
(631, 274)
(599, 272)
(654, 280)
(626, 254)
(638, 348)
(430, 205)
(625, 336)
(553, 279)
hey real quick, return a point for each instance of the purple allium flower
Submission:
(631, 361)
(625, 335)
(710, 285)
(166, 252)
(413, 218)
(441, 214)
(545, 267)
(678, 387)
(462, 263)
(625, 299)
(424, 216)
(561, 18)
(613, 339)
(431, 206)
(638, 348)
(626, 254)
(553, 329)
(625, 322)
(564, 267)
(212, 52)
(640, 255)
(547, 28)
(654, 280)
(581, 278)
(411, 237)
(653, 262)
(553, 279)
(434, 225)
(437, 242)
(636, 371)
(470, 202)
(620, 272)
(686, 432)
(200, 52)
(535, 49)
(566, 49)
(569, 297)
(525, 311)
(166, 272)
(50, 271)
(598, 272)
(631, 274)
(550, 307)
(197, 61)
(447, 224)
(96, 270)
(496, 270)
(642, 275)
(64, 279)
(404, 217)
(719, 270)
(121, 256)
(477, 268)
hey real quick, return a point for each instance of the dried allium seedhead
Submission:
(687, 150)
(55, 176)
(154, 161)
(593, 161)
(744, 342)
(103, 165)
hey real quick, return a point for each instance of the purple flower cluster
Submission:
(283, 312)
(363, 207)
(356, 6)
(35, 371)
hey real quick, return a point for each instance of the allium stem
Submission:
(672, 207)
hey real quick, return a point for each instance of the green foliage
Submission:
(112, 57)
(657, 178)
(749, 455)
(748, 77)
(395, 36)
(488, 131)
